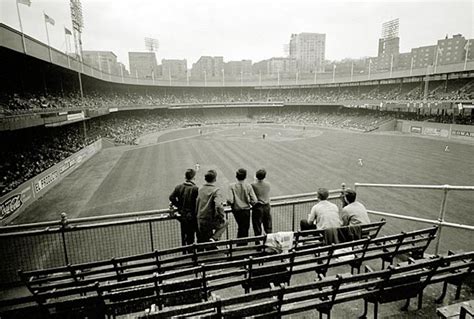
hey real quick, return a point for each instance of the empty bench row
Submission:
(402, 282)
(193, 284)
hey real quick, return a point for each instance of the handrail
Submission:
(442, 211)
(145, 215)
(440, 187)
(423, 220)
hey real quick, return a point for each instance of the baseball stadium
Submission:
(90, 157)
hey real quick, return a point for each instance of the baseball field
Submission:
(297, 159)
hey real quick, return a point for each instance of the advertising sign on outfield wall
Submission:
(415, 129)
(453, 131)
(17, 200)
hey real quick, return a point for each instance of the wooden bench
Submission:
(164, 290)
(314, 238)
(409, 280)
(136, 266)
(412, 243)
(75, 302)
(382, 286)
(459, 310)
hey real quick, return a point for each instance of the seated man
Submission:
(323, 215)
(353, 213)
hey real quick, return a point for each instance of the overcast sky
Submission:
(244, 29)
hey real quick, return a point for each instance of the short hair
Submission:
(261, 174)
(350, 195)
(323, 193)
(189, 174)
(210, 176)
(241, 174)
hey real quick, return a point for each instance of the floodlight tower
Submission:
(77, 25)
(151, 44)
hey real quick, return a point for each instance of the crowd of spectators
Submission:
(27, 153)
(17, 104)
(349, 119)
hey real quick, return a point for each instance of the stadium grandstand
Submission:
(89, 158)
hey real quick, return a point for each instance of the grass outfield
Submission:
(139, 178)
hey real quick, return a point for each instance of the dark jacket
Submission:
(184, 198)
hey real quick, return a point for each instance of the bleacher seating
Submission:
(394, 283)
(131, 284)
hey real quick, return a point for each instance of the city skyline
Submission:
(242, 30)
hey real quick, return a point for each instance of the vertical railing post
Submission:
(442, 213)
(151, 236)
(227, 228)
(293, 217)
(64, 225)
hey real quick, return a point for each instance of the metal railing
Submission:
(82, 240)
(442, 211)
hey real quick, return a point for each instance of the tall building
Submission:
(174, 68)
(208, 67)
(106, 61)
(308, 50)
(275, 66)
(234, 69)
(389, 45)
(404, 60)
(348, 65)
(453, 50)
(142, 64)
(423, 56)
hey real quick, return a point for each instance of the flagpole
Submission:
(333, 73)
(67, 49)
(108, 68)
(352, 70)
(21, 27)
(370, 63)
(121, 72)
(47, 37)
(467, 54)
(391, 65)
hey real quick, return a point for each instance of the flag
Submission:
(48, 19)
(67, 31)
(25, 2)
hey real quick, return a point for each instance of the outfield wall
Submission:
(16, 201)
(454, 131)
